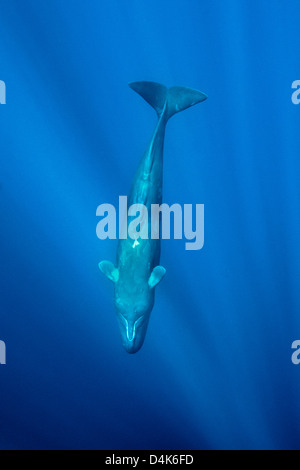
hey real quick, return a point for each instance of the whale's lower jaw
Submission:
(131, 347)
(133, 333)
(134, 345)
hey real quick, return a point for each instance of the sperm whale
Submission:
(137, 270)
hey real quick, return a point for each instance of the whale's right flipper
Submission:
(170, 101)
(156, 276)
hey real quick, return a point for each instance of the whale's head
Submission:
(134, 300)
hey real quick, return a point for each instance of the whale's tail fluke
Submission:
(168, 100)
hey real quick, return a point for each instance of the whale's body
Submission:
(137, 270)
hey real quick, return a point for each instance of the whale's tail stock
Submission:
(169, 100)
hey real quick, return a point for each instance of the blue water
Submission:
(215, 371)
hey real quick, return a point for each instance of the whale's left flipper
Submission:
(109, 269)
